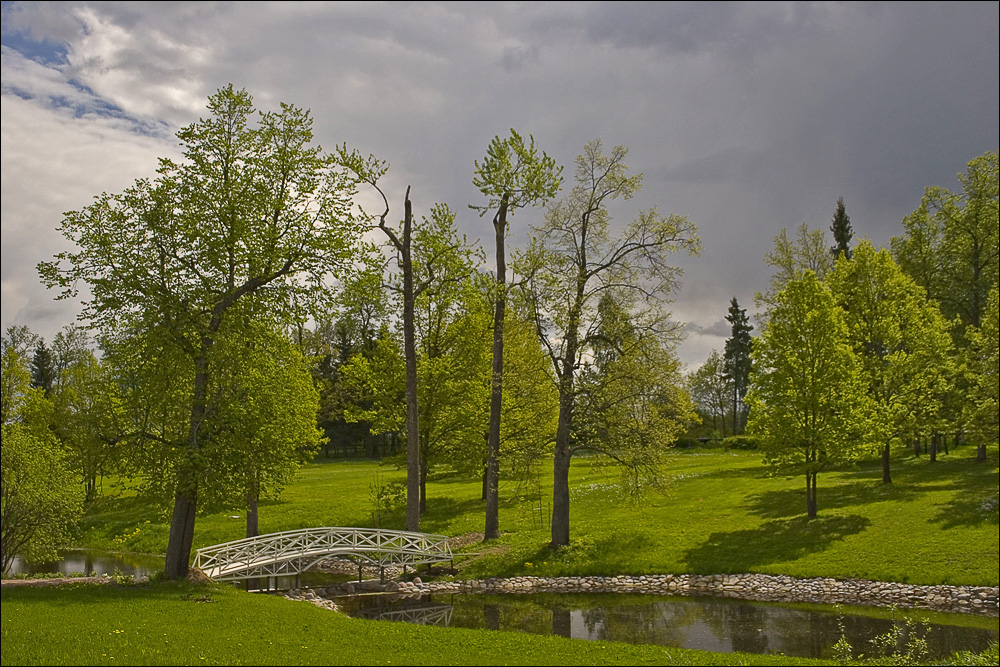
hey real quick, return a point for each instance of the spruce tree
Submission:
(43, 369)
(737, 360)
(841, 228)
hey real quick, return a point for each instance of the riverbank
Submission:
(981, 600)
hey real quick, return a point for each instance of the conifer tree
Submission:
(841, 228)
(43, 371)
(737, 361)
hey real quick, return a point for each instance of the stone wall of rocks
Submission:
(763, 587)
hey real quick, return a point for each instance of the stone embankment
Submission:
(762, 587)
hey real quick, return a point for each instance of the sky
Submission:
(744, 117)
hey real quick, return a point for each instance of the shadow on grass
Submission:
(839, 495)
(773, 542)
(442, 510)
(970, 509)
(114, 515)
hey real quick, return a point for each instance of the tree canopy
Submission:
(255, 216)
(902, 341)
(590, 290)
(807, 400)
(950, 247)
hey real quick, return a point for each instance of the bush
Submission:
(740, 442)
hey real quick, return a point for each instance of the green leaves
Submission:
(950, 243)
(514, 172)
(807, 399)
(902, 342)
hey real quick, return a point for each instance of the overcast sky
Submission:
(745, 118)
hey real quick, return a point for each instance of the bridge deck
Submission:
(295, 551)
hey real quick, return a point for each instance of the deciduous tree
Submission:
(709, 387)
(39, 498)
(982, 406)
(808, 252)
(807, 400)
(512, 175)
(574, 265)
(950, 243)
(255, 213)
(902, 341)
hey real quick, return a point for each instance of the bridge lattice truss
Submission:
(294, 551)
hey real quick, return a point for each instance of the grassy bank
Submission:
(180, 624)
(723, 514)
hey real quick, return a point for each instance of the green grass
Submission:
(722, 514)
(165, 623)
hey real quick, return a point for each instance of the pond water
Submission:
(86, 561)
(711, 624)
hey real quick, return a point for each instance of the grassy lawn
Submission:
(722, 514)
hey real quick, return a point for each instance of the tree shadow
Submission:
(774, 542)
(441, 510)
(969, 509)
(790, 502)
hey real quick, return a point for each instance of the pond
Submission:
(86, 561)
(711, 624)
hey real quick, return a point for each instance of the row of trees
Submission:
(862, 348)
(202, 282)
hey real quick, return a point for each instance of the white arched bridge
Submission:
(292, 552)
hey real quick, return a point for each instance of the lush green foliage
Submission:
(902, 342)
(39, 499)
(983, 365)
(246, 230)
(808, 403)
(951, 244)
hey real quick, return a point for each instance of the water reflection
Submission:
(712, 624)
(86, 561)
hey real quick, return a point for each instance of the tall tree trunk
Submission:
(811, 495)
(560, 467)
(981, 453)
(567, 403)
(916, 445)
(886, 478)
(560, 496)
(934, 447)
(181, 536)
(423, 484)
(253, 499)
(410, 354)
(492, 531)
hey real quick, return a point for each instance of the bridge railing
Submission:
(293, 551)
